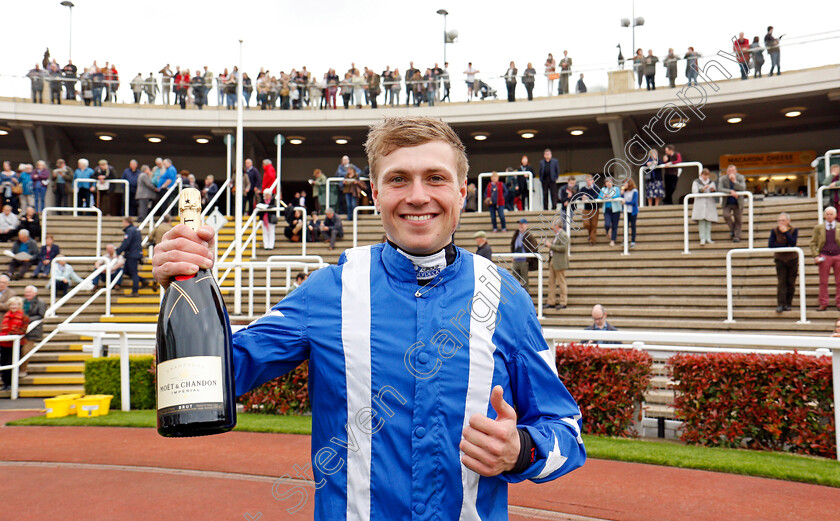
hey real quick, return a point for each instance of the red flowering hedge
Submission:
(288, 394)
(763, 402)
(606, 383)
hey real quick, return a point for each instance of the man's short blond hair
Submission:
(402, 132)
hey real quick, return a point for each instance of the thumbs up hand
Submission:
(491, 447)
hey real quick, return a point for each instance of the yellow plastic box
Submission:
(88, 406)
(104, 403)
(58, 407)
(72, 398)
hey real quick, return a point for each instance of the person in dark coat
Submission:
(549, 172)
(523, 242)
(484, 248)
(49, 251)
(131, 248)
(23, 244)
(787, 262)
(35, 309)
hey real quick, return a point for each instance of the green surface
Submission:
(774, 465)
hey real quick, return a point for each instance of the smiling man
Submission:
(432, 386)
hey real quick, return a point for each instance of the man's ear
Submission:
(374, 193)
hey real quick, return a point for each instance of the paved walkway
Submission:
(107, 473)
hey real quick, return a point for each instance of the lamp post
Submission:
(68, 3)
(238, 183)
(637, 21)
(444, 12)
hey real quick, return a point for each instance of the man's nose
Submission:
(417, 193)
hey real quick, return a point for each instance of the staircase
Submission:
(655, 287)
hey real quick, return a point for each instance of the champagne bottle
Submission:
(195, 387)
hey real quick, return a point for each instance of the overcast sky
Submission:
(142, 36)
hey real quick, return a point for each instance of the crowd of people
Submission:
(300, 88)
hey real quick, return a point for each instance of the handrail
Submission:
(106, 266)
(820, 208)
(356, 221)
(517, 173)
(150, 218)
(95, 210)
(642, 170)
(337, 180)
(750, 231)
(799, 252)
(576, 202)
(118, 181)
(539, 275)
(694, 338)
(209, 205)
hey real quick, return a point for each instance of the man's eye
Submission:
(437, 179)
(398, 179)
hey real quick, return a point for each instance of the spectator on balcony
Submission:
(691, 67)
(49, 251)
(551, 72)
(165, 83)
(787, 263)
(599, 322)
(63, 275)
(631, 206)
(549, 172)
(639, 65)
(494, 199)
(772, 45)
(132, 249)
(590, 192)
(40, 181)
(117, 266)
(705, 208)
(5, 292)
(112, 82)
(14, 322)
(670, 64)
(612, 210)
(825, 248)
(35, 309)
(9, 223)
(470, 73)
(649, 66)
(69, 73)
(268, 218)
(137, 87)
(199, 89)
(654, 188)
(62, 182)
(84, 171)
(580, 87)
(830, 196)
(145, 192)
(558, 254)
(757, 55)
(523, 242)
(373, 87)
(150, 87)
(31, 222)
(484, 248)
(332, 228)
(23, 245)
(565, 65)
(741, 48)
(529, 78)
(510, 82)
(733, 205)
(670, 175)
(36, 78)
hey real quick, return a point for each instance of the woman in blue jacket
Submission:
(612, 210)
(631, 205)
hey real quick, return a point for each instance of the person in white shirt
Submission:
(470, 72)
(9, 223)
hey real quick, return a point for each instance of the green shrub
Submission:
(102, 376)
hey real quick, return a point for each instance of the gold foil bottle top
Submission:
(189, 208)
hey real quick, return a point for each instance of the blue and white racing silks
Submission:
(396, 371)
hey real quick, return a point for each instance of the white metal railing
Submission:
(717, 339)
(750, 231)
(539, 275)
(106, 267)
(356, 211)
(115, 181)
(337, 180)
(210, 204)
(287, 262)
(150, 218)
(46, 211)
(644, 169)
(749, 251)
(576, 202)
(528, 175)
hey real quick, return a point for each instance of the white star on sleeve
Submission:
(554, 461)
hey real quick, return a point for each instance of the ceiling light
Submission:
(201, 139)
(4, 131)
(296, 140)
(527, 133)
(793, 113)
(734, 118)
(106, 136)
(679, 123)
(480, 136)
(576, 131)
(341, 140)
(154, 138)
